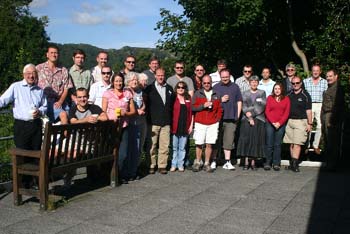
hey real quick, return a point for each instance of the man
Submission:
(81, 77)
(199, 72)
(129, 65)
(102, 60)
(160, 99)
(243, 81)
(316, 86)
(231, 101)
(29, 104)
(179, 69)
(97, 89)
(266, 83)
(215, 77)
(55, 82)
(153, 64)
(290, 74)
(299, 123)
(84, 112)
(332, 119)
(207, 107)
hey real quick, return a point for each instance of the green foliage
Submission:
(22, 40)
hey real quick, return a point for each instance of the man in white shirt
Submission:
(97, 89)
(266, 83)
(215, 77)
(102, 60)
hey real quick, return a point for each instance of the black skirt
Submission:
(251, 141)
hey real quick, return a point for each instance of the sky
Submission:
(107, 24)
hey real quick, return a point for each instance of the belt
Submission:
(28, 121)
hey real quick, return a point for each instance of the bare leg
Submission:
(208, 153)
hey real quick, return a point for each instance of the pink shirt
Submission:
(277, 111)
(53, 82)
(114, 101)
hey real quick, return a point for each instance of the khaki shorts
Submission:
(296, 132)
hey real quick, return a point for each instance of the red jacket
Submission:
(176, 115)
(203, 115)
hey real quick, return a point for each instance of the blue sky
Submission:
(103, 23)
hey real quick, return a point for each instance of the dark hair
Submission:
(102, 52)
(282, 90)
(129, 56)
(180, 62)
(221, 61)
(79, 51)
(53, 46)
(113, 78)
(153, 58)
(81, 89)
(186, 95)
(335, 72)
(225, 70)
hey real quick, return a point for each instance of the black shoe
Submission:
(267, 167)
(295, 165)
(276, 167)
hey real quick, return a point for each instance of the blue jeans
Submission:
(123, 153)
(134, 149)
(179, 151)
(273, 143)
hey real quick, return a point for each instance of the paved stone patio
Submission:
(222, 202)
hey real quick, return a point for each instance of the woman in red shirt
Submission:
(277, 113)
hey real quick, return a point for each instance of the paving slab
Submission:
(220, 202)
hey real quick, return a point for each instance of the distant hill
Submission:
(116, 57)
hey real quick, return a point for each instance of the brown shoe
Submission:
(152, 171)
(317, 151)
(162, 171)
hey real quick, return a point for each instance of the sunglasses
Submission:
(105, 73)
(206, 83)
(179, 67)
(290, 70)
(294, 83)
(199, 70)
(132, 62)
(247, 71)
(180, 87)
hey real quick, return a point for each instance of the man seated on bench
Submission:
(83, 112)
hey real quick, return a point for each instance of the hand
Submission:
(57, 105)
(248, 114)
(276, 125)
(36, 114)
(92, 119)
(225, 98)
(207, 104)
(141, 112)
(308, 128)
(251, 122)
(190, 130)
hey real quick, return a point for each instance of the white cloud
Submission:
(121, 21)
(88, 7)
(38, 3)
(86, 18)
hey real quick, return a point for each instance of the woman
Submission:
(276, 112)
(137, 124)
(182, 125)
(117, 103)
(252, 132)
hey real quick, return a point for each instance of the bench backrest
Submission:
(77, 143)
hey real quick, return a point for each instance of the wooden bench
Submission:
(65, 148)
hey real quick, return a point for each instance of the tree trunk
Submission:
(295, 46)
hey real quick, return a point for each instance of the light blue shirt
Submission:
(24, 97)
(267, 87)
(316, 91)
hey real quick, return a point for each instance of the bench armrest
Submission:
(25, 153)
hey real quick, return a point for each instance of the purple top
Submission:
(229, 107)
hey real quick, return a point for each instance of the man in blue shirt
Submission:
(29, 103)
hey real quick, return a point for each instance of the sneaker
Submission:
(213, 165)
(208, 169)
(267, 167)
(196, 166)
(228, 166)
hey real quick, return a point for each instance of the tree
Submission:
(23, 39)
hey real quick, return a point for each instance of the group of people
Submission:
(250, 115)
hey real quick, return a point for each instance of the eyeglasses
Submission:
(199, 70)
(81, 96)
(105, 73)
(180, 87)
(294, 83)
(290, 69)
(206, 83)
(179, 67)
(247, 71)
(132, 62)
